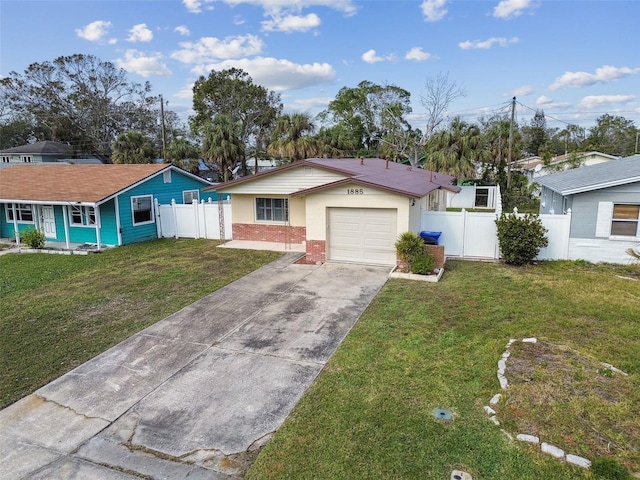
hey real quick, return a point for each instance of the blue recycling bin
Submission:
(430, 238)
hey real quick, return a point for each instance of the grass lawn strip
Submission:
(424, 346)
(59, 311)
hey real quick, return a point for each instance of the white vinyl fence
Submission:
(210, 220)
(474, 234)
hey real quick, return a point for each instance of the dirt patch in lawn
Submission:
(571, 400)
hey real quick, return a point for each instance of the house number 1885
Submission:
(355, 191)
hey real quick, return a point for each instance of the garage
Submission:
(362, 235)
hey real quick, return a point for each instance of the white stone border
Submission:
(523, 437)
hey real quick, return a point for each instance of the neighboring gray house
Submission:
(604, 203)
(42, 152)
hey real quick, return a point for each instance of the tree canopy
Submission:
(81, 100)
(231, 92)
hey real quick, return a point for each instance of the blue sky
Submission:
(576, 60)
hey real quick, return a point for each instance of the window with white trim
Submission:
(142, 209)
(5, 159)
(625, 219)
(188, 196)
(26, 158)
(482, 197)
(272, 209)
(82, 216)
(24, 212)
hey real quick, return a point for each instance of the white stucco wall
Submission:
(362, 197)
(243, 209)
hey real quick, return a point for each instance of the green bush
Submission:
(408, 245)
(410, 248)
(34, 238)
(521, 237)
(422, 264)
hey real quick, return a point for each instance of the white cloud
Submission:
(523, 91)
(208, 49)
(140, 33)
(513, 8)
(146, 65)
(548, 104)
(306, 104)
(543, 100)
(370, 56)
(95, 31)
(605, 73)
(291, 23)
(277, 6)
(276, 74)
(182, 30)
(185, 92)
(195, 6)
(597, 101)
(434, 10)
(417, 54)
(488, 43)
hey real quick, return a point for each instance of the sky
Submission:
(574, 59)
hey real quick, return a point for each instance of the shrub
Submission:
(410, 248)
(408, 245)
(521, 237)
(422, 263)
(34, 238)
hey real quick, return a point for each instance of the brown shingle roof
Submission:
(397, 178)
(70, 183)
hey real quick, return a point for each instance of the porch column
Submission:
(96, 209)
(65, 222)
(15, 223)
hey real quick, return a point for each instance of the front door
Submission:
(48, 221)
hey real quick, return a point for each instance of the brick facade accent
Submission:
(316, 251)
(437, 252)
(269, 233)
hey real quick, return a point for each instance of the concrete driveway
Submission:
(196, 395)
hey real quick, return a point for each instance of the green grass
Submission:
(58, 311)
(424, 346)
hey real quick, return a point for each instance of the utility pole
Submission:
(164, 134)
(513, 114)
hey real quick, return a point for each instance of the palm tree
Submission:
(184, 154)
(292, 137)
(133, 147)
(455, 151)
(222, 145)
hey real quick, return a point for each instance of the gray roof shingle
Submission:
(594, 177)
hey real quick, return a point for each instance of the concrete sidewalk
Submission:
(197, 394)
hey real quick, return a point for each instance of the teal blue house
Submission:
(106, 205)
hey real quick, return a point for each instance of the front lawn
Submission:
(423, 346)
(58, 311)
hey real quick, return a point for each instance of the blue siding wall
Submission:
(164, 193)
(6, 228)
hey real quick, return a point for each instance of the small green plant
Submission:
(422, 263)
(34, 238)
(606, 468)
(521, 237)
(410, 248)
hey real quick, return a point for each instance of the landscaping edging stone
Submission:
(415, 276)
(547, 448)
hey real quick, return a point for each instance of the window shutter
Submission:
(603, 221)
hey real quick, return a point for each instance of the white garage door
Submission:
(362, 235)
